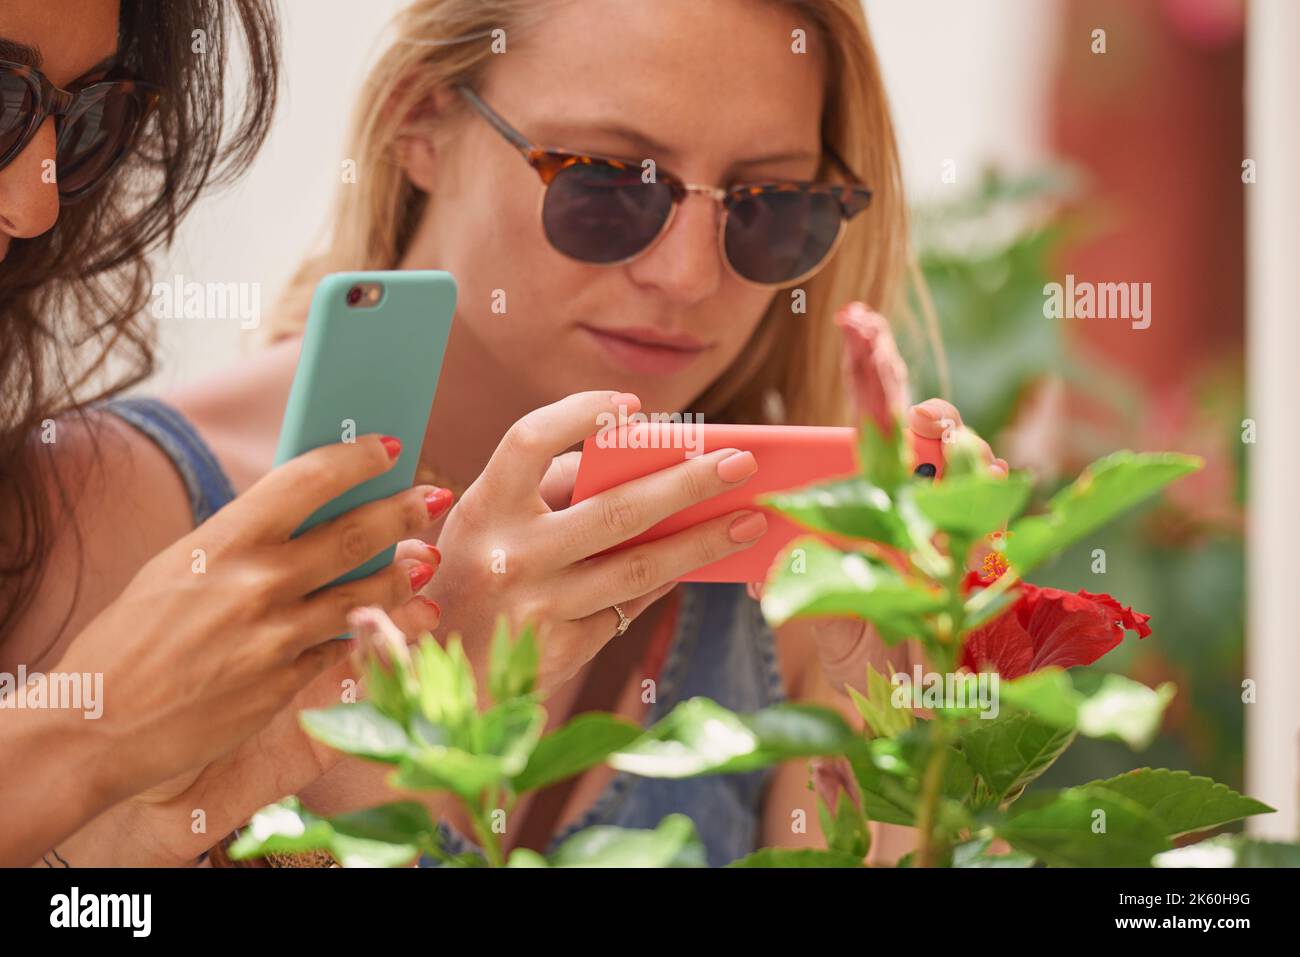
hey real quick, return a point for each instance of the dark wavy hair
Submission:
(73, 325)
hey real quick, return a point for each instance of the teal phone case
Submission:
(370, 369)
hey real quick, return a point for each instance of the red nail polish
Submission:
(435, 556)
(392, 446)
(438, 501)
(432, 605)
(420, 575)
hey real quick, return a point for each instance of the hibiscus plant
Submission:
(951, 748)
(949, 751)
(421, 715)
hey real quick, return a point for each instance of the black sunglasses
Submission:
(600, 210)
(97, 123)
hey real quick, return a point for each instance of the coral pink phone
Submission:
(788, 456)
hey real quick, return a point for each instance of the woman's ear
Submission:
(416, 150)
(415, 154)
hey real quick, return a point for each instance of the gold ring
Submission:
(623, 620)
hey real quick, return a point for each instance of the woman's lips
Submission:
(647, 351)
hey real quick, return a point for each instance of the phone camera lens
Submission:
(354, 295)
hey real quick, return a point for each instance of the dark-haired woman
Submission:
(111, 126)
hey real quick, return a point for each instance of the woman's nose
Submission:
(29, 189)
(685, 263)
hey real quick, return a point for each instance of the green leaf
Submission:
(1048, 694)
(1081, 828)
(447, 688)
(1182, 802)
(358, 729)
(877, 706)
(1105, 489)
(402, 822)
(883, 456)
(674, 843)
(1113, 707)
(886, 797)
(392, 690)
(964, 454)
(524, 857)
(846, 831)
(973, 505)
(512, 665)
(975, 854)
(499, 660)
(526, 654)
(852, 508)
(888, 772)
(1012, 750)
(1125, 710)
(800, 857)
(504, 737)
(510, 730)
(699, 736)
(287, 827)
(1231, 850)
(813, 579)
(582, 743)
(449, 769)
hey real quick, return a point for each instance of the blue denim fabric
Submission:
(721, 649)
(204, 478)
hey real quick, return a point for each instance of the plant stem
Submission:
(480, 818)
(931, 788)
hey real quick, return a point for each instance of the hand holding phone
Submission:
(370, 361)
(788, 457)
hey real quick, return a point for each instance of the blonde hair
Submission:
(444, 42)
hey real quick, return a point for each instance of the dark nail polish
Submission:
(925, 470)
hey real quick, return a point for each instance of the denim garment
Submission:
(204, 478)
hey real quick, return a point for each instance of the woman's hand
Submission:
(508, 551)
(174, 823)
(219, 632)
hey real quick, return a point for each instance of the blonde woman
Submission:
(513, 144)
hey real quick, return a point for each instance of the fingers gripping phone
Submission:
(788, 456)
(370, 361)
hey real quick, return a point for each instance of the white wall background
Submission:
(965, 79)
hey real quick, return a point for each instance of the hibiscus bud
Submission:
(833, 776)
(378, 633)
(874, 371)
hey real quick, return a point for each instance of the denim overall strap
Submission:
(209, 488)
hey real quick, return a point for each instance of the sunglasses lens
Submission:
(776, 236)
(92, 143)
(17, 102)
(598, 213)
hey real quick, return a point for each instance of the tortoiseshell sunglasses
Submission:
(97, 123)
(599, 210)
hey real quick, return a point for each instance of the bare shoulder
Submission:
(116, 500)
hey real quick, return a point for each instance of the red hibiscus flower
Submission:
(1046, 627)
